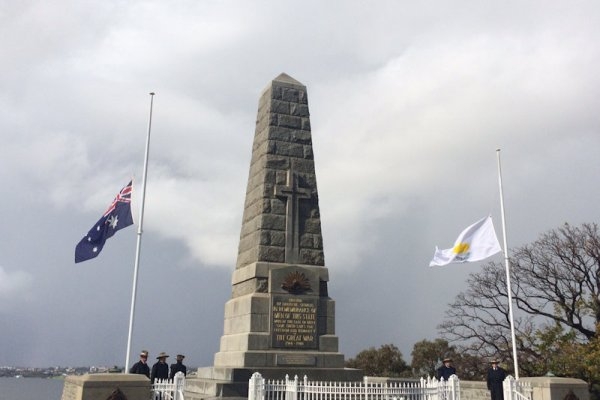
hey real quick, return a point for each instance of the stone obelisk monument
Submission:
(280, 319)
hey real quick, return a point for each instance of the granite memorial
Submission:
(280, 319)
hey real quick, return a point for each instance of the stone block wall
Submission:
(474, 390)
(101, 386)
(282, 161)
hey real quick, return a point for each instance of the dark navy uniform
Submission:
(178, 367)
(445, 372)
(160, 370)
(140, 368)
(495, 377)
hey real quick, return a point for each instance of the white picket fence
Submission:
(167, 389)
(288, 389)
(516, 390)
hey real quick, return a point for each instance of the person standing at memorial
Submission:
(495, 378)
(141, 367)
(178, 367)
(160, 370)
(446, 370)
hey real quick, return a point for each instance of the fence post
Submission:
(508, 386)
(295, 388)
(178, 386)
(291, 388)
(256, 387)
(453, 388)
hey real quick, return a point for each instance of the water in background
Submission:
(31, 389)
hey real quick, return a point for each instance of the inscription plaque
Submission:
(296, 359)
(294, 322)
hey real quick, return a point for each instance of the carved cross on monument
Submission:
(293, 195)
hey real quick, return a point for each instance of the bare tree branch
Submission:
(555, 282)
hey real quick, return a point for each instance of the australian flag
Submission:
(118, 216)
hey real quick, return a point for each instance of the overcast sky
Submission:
(409, 102)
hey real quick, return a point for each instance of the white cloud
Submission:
(421, 123)
(408, 102)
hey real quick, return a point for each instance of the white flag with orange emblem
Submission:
(475, 243)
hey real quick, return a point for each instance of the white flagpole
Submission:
(139, 237)
(506, 262)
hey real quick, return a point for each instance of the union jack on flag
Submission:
(116, 217)
(124, 196)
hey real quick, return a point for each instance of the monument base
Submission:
(101, 386)
(223, 382)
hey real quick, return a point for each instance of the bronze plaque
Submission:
(296, 359)
(294, 322)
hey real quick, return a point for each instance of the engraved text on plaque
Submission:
(294, 322)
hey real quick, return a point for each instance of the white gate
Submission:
(166, 389)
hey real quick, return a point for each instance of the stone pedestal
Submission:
(267, 326)
(101, 386)
(555, 388)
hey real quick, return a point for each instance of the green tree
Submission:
(386, 361)
(471, 367)
(427, 356)
(587, 359)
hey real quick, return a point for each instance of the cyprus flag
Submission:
(475, 243)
